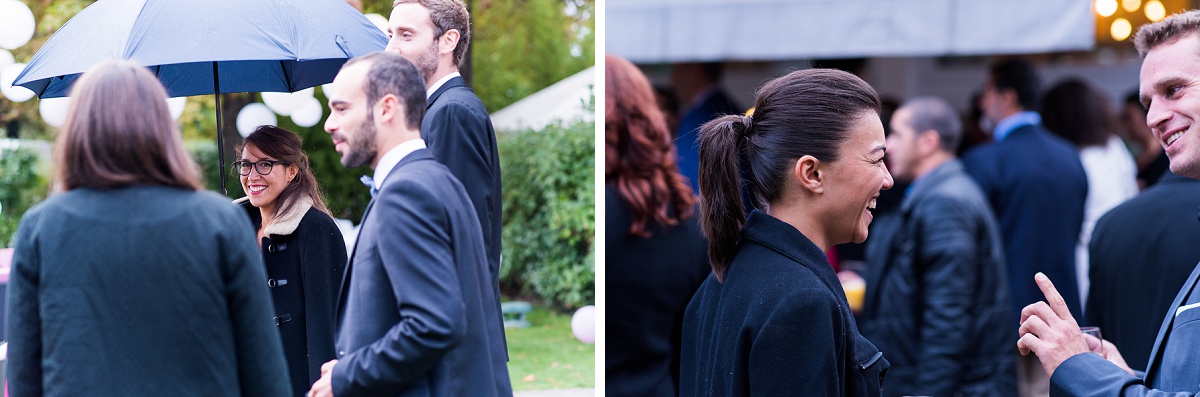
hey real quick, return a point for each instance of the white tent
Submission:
(563, 100)
(665, 31)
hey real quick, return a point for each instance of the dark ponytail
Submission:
(806, 112)
(721, 214)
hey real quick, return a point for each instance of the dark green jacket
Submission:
(140, 291)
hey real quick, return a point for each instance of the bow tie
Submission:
(370, 182)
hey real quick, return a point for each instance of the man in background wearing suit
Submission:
(434, 35)
(418, 313)
(1141, 253)
(1171, 94)
(1037, 187)
(936, 268)
(698, 86)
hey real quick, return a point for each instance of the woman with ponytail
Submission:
(772, 318)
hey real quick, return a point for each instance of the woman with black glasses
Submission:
(302, 248)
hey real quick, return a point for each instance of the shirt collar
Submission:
(393, 157)
(1012, 123)
(442, 81)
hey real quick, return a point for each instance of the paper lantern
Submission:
(7, 76)
(309, 113)
(285, 103)
(16, 24)
(6, 58)
(252, 116)
(176, 106)
(583, 324)
(54, 110)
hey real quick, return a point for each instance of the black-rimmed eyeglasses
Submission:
(263, 167)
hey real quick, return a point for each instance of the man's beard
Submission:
(427, 63)
(362, 146)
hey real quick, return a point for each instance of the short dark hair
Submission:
(1019, 75)
(806, 112)
(1134, 98)
(119, 133)
(1167, 30)
(446, 15)
(933, 113)
(393, 74)
(1074, 110)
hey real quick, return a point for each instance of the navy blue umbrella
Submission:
(199, 47)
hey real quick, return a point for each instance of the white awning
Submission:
(662, 31)
(561, 101)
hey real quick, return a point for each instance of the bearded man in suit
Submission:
(418, 313)
(434, 35)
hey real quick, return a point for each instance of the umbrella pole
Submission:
(220, 122)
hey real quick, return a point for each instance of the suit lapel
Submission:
(1159, 342)
(417, 155)
(453, 82)
(350, 262)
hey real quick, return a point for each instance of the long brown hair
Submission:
(639, 159)
(118, 132)
(285, 145)
(806, 112)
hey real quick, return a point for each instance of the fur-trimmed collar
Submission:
(286, 223)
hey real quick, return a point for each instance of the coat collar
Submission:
(1170, 178)
(284, 224)
(783, 238)
(457, 81)
(923, 186)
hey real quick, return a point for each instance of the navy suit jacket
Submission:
(1173, 371)
(779, 324)
(687, 146)
(1037, 187)
(417, 312)
(459, 134)
(1141, 252)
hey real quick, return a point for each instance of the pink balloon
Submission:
(583, 324)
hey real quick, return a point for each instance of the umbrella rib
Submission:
(286, 76)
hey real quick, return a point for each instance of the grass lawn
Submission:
(547, 356)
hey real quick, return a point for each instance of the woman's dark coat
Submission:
(140, 291)
(304, 254)
(778, 325)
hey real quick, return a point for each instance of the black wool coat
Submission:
(779, 325)
(304, 254)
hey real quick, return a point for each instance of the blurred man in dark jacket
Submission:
(937, 301)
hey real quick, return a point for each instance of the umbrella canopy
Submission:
(252, 45)
(198, 47)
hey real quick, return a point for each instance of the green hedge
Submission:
(549, 215)
(20, 188)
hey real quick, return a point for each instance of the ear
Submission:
(292, 170)
(387, 109)
(811, 173)
(929, 142)
(449, 41)
(1009, 96)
